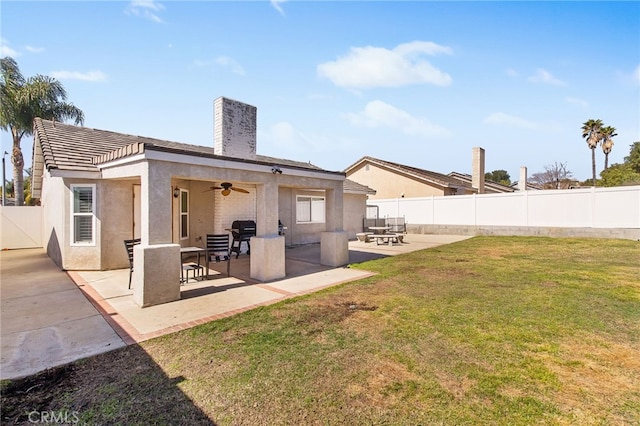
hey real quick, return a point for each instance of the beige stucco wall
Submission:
(52, 203)
(115, 215)
(388, 184)
(354, 212)
(297, 233)
(114, 224)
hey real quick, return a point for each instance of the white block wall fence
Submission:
(20, 227)
(585, 212)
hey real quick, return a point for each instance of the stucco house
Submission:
(394, 180)
(98, 188)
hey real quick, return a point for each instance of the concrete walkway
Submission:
(51, 317)
(45, 320)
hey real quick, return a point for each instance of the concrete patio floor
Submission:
(46, 322)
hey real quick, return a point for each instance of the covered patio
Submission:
(222, 296)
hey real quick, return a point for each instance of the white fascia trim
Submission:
(237, 165)
(78, 174)
(215, 162)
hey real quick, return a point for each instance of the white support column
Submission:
(267, 247)
(156, 277)
(334, 243)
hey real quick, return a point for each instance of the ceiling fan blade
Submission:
(244, 191)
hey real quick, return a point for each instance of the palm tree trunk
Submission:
(593, 164)
(18, 170)
(606, 161)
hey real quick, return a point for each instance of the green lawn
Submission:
(491, 330)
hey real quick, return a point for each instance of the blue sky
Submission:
(418, 82)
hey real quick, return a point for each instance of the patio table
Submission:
(199, 251)
(379, 230)
(387, 238)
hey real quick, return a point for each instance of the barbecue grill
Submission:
(242, 231)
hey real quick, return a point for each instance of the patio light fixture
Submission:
(276, 169)
(176, 192)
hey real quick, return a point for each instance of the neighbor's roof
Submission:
(490, 186)
(351, 186)
(426, 176)
(67, 147)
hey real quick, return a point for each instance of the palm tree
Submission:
(591, 131)
(607, 144)
(24, 100)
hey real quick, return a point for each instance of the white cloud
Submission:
(145, 9)
(75, 75)
(6, 50)
(285, 140)
(277, 5)
(380, 114)
(367, 67)
(512, 73)
(33, 49)
(577, 101)
(227, 62)
(506, 120)
(636, 75)
(544, 76)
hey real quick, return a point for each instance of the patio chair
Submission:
(217, 246)
(128, 244)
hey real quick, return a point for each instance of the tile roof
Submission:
(489, 185)
(421, 174)
(68, 147)
(351, 186)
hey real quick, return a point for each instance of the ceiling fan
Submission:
(227, 187)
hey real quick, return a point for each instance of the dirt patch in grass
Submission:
(596, 376)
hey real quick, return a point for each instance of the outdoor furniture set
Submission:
(217, 248)
(389, 230)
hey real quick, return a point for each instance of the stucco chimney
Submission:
(477, 169)
(522, 183)
(235, 126)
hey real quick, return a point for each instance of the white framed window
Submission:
(184, 214)
(310, 209)
(83, 214)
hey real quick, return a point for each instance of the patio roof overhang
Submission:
(114, 166)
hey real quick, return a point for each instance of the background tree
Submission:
(607, 134)
(500, 176)
(627, 173)
(591, 131)
(554, 176)
(24, 100)
(634, 157)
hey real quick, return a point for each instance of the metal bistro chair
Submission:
(128, 244)
(218, 245)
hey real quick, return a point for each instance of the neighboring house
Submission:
(530, 186)
(393, 180)
(98, 188)
(490, 187)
